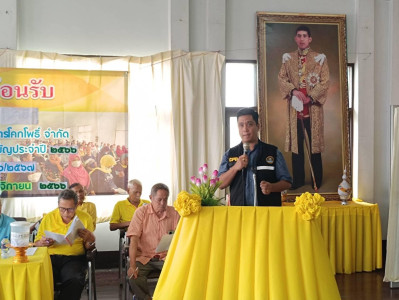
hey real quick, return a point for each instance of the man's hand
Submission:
(300, 96)
(227, 177)
(133, 271)
(277, 187)
(286, 57)
(320, 58)
(44, 242)
(266, 187)
(86, 235)
(115, 226)
(307, 100)
(241, 163)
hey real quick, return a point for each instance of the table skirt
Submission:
(352, 235)
(27, 281)
(247, 253)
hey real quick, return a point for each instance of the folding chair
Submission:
(126, 287)
(33, 230)
(122, 242)
(90, 279)
(91, 274)
(152, 277)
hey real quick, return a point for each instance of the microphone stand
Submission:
(255, 189)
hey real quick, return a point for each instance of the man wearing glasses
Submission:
(68, 261)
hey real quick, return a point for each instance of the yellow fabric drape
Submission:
(27, 281)
(352, 235)
(247, 253)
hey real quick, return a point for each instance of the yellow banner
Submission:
(63, 90)
(59, 127)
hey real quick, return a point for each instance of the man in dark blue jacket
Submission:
(263, 160)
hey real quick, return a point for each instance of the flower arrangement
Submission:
(187, 204)
(308, 205)
(202, 191)
(206, 187)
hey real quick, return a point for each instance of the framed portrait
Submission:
(303, 97)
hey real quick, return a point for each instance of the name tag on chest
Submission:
(265, 167)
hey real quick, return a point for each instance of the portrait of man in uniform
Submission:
(303, 96)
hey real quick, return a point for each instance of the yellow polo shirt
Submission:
(124, 211)
(53, 222)
(90, 208)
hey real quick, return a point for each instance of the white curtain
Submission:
(197, 114)
(175, 114)
(392, 260)
(181, 93)
(151, 144)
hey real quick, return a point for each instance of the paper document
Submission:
(296, 104)
(164, 243)
(71, 234)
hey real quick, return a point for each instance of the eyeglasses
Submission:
(70, 209)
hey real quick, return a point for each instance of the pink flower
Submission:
(212, 182)
(198, 182)
(201, 170)
(204, 178)
(205, 168)
(215, 174)
(192, 179)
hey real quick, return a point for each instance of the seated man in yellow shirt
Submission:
(68, 261)
(124, 210)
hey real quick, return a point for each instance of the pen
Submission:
(137, 268)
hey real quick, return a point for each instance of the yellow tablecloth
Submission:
(27, 281)
(247, 253)
(352, 234)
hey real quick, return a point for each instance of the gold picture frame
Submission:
(276, 36)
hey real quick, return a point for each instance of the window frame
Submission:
(231, 111)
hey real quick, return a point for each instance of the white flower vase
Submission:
(344, 189)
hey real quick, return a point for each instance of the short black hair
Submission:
(303, 28)
(248, 111)
(159, 186)
(68, 195)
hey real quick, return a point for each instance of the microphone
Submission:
(246, 148)
(246, 152)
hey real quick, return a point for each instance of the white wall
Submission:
(97, 27)
(136, 27)
(8, 24)
(241, 21)
(381, 108)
